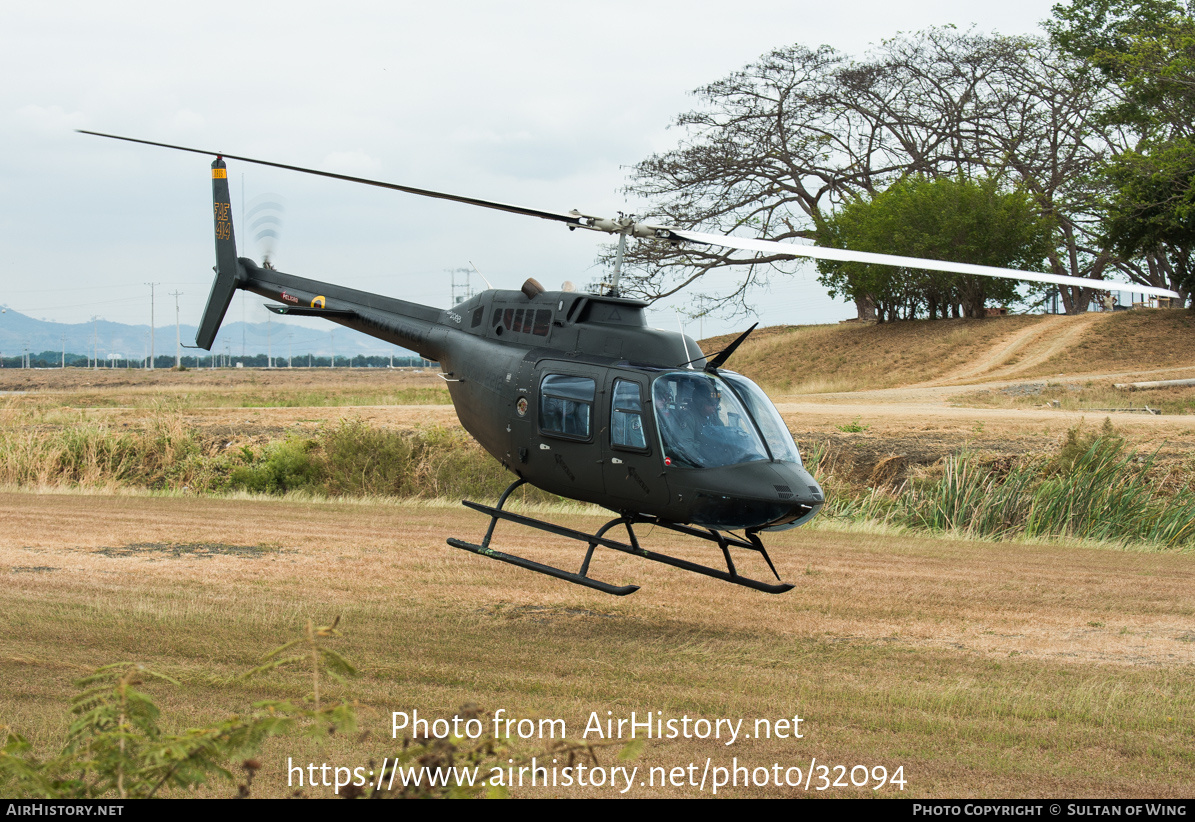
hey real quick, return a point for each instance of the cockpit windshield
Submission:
(702, 423)
(708, 421)
(775, 432)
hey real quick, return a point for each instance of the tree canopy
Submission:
(1146, 52)
(947, 218)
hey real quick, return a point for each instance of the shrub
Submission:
(115, 746)
(285, 466)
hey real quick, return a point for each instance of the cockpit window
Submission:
(775, 432)
(702, 423)
(626, 417)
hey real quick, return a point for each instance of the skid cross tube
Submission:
(724, 541)
(485, 550)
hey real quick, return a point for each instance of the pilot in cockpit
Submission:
(703, 407)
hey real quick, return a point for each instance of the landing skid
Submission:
(724, 541)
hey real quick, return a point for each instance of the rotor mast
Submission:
(622, 247)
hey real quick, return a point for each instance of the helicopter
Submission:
(573, 393)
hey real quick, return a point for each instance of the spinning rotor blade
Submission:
(845, 256)
(265, 221)
(572, 218)
(627, 226)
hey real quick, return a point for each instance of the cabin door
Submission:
(631, 460)
(566, 452)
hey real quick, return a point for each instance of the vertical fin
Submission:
(228, 270)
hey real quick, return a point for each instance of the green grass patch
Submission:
(1089, 396)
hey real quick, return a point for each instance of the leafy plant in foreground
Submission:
(115, 746)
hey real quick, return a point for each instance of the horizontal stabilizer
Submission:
(213, 314)
(301, 311)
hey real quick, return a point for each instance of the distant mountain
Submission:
(19, 333)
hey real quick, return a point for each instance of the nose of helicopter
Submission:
(759, 496)
(808, 497)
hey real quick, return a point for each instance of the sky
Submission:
(545, 104)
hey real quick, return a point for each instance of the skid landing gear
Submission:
(581, 577)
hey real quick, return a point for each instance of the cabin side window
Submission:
(566, 406)
(522, 321)
(626, 417)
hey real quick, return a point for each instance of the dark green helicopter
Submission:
(573, 393)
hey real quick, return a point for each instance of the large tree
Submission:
(1145, 50)
(777, 148)
(967, 221)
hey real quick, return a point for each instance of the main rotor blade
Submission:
(845, 256)
(625, 225)
(559, 216)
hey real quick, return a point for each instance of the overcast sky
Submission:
(538, 103)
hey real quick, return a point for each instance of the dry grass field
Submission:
(981, 669)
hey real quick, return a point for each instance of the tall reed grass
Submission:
(1094, 489)
(351, 459)
(164, 453)
(355, 460)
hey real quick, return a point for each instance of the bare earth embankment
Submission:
(981, 669)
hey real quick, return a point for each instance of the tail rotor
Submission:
(264, 219)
